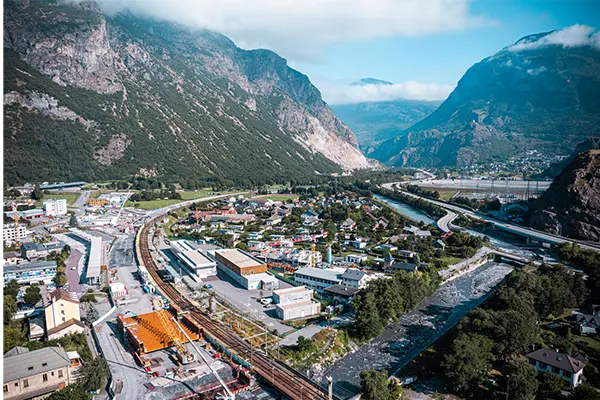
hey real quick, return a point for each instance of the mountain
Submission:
(555, 169)
(531, 95)
(91, 97)
(374, 122)
(571, 205)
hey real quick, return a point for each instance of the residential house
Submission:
(348, 225)
(355, 278)
(61, 310)
(11, 258)
(36, 374)
(356, 258)
(340, 294)
(388, 247)
(273, 220)
(406, 253)
(559, 364)
(33, 251)
(588, 324)
(12, 233)
(358, 244)
(438, 244)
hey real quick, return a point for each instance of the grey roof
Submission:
(32, 266)
(590, 320)
(34, 362)
(342, 290)
(353, 274)
(389, 257)
(16, 351)
(405, 266)
(11, 254)
(556, 359)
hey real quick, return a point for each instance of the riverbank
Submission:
(465, 266)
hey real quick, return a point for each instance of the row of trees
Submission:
(384, 301)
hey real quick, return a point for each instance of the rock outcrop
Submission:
(571, 205)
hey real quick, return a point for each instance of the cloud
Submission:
(536, 71)
(344, 93)
(301, 29)
(572, 36)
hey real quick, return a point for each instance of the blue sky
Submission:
(443, 58)
(422, 46)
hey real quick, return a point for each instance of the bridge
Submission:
(507, 226)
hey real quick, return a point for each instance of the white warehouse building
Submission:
(319, 278)
(55, 207)
(201, 264)
(295, 302)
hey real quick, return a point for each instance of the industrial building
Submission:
(202, 264)
(319, 278)
(245, 270)
(42, 272)
(29, 214)
(95, 261)
(295, 302)
(55, 207)
(12, 233)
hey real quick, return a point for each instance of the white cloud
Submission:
(300, 29)
(572, 36)
(344, 93)
(536, 71)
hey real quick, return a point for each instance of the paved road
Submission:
(495, 184)
(445, 222)
(73, 275)
(520, 230)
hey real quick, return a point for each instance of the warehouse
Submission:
(245, 270)
(197, 262)
(95, 261)
(295, 302)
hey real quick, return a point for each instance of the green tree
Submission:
(366, 323)
(521, 382)
(374, 385)
(12, 288)
(60, 279)
(468, 364)
(94, 373)
(73, 223)
(32, 295)
(72, 392)
(329, 226)
(10, 308)
(304, 345)
(242, 246)
(550, 385)
(37, 193)
(585, 392)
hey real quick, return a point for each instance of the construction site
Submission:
(171, 348)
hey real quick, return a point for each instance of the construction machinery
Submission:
(184, 355)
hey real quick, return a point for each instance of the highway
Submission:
(283, 378)
(516, 229)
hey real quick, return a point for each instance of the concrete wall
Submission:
(60, 311)
(37, 384)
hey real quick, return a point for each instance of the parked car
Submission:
(266, 301)
(208, 286)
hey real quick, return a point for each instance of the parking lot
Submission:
(246, 301)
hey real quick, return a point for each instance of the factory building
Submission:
(202, 264)
(245, 270)
(295, 302)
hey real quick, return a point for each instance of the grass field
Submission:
(277, 197)
(185, 195)
(71, 198)
(446, 194)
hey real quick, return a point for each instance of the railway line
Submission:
(282, 377)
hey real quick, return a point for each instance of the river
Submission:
(419, 329)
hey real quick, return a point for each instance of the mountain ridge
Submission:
(119, 88)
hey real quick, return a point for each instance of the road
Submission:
(496, 184)
(445, 222)
(80, 202)
(519, 230)
(74, 275)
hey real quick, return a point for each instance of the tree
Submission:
(585, 392)
(367, 323)
(75, 391)
(304, 345)
(242, 246)
(10, 308)
(60, 279)
(15, 193)
(94, 373)
(37, 193)
(73, 223)
(550, 385)
(32, 295)
(468, 364)
(521, 382)
(12, 288)
(374, 385)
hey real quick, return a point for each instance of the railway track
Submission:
(279, 375)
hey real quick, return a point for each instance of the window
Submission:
(60, 373)
(45, 378)
(63, 318)
(543, 365)
(567, 374)
(44, 364)
(16, 384)
(25, 383)
(5, 389)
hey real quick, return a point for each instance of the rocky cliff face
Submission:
(571, 206)
(124, 95)
(544, 98)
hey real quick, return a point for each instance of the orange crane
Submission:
(185, 356)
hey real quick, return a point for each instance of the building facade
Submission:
(55, 207)
(60, 307)
(559, 364)
(42, 272)
(318, 278)
(245, 270)
(295, 302)
(12, 234)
